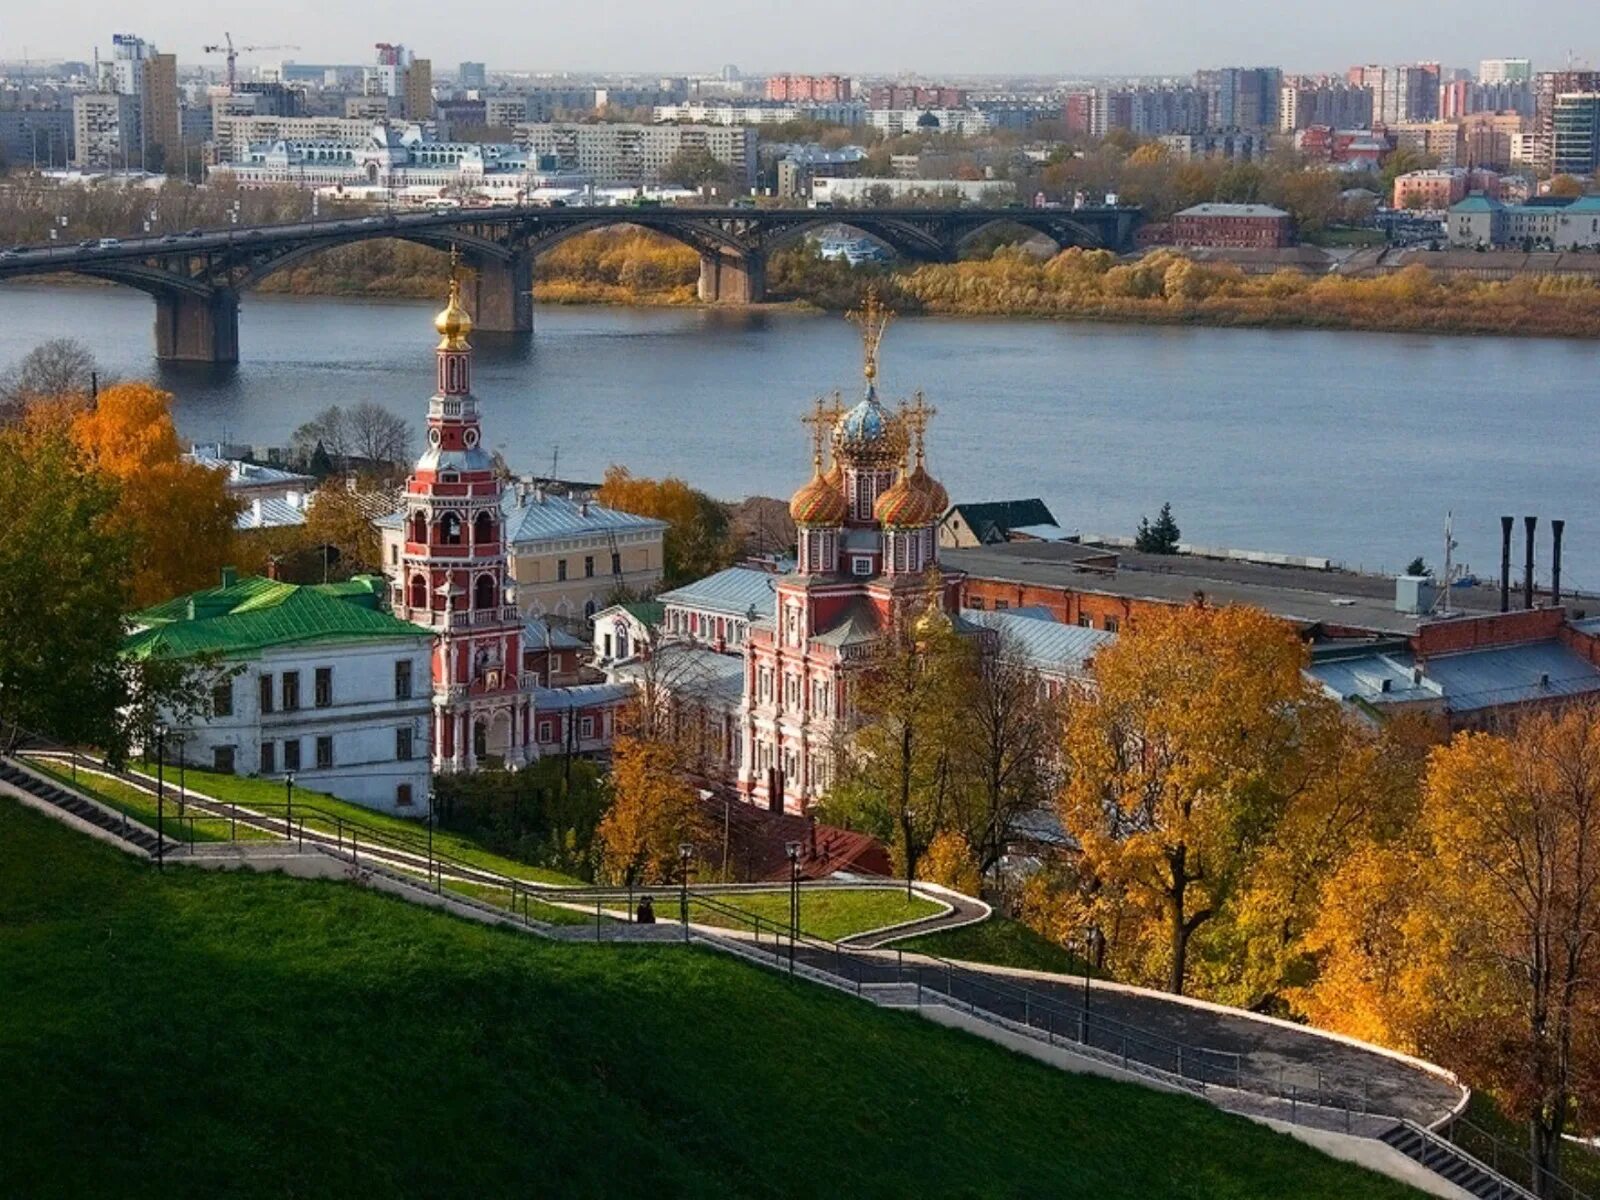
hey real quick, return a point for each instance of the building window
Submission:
(1085, 621)
(269, 758)
(222, 699)
(394, 554)
(588, 566)
(861, 565)
(561, 570)
(1001, 605)
(450, 530)
(547, 732)
(1112, 624)
(290, 691)
(616, 563)
(266, 693)
(402, 744)
(586, 727)
(324, 753)
(222, 759)
(484, 597)
(291, 754)
(402, 796)
(324, 687)
(402, 679)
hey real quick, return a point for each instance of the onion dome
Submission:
(904, 505)
(819, 502)
(453, 323)
(937, 496)
(869, 436)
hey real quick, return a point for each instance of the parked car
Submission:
(108, 243)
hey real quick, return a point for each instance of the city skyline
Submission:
(1149, 36)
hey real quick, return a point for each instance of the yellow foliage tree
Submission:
(949, 863)
(179, 513)
(1182, 764)
(697, 541)
(653, 810)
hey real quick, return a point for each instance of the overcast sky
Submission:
(1055, 37)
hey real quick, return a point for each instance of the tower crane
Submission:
(232, 52)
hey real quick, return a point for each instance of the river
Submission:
(1348, 445)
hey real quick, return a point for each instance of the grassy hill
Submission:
(205, 1034)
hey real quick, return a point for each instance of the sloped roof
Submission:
(859, 624)
(270, 512)
(991, 520)
(538, 634)
(536, 519)
(1464, 682)
(734, 591)
(1045, 645)
(245, 617)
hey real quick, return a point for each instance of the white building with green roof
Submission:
(319, 681)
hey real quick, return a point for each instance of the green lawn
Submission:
(321, 808)
(201, 1034)
(141, 806)
(550, 914)
(827, 913)
(1000, 941)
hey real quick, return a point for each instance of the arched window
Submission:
(588, 611)
(419, 591)
(449, 530)
(484, 593)
(419, 526)
(483, 529)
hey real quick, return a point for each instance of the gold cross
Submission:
(916, 416)
(874, 319)
(822, 418)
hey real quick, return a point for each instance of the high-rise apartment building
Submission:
(418, 90)
(815, 89)
(472, 75)
(105, 131)
(160, 120)
(1304, 102)
(1547, 85)
(639, 154)
(1401, 93)
(1575, 127)
(1505, 70)
(1241, 97)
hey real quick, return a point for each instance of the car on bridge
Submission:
(107, 243)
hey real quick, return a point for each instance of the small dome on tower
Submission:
(819, 502)
(453, 323)
(904, 505)
(937, 496)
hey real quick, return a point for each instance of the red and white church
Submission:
(452, 575)
(867, 556)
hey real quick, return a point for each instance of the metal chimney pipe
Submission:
(1505, 562)
(1530, 524)
(1555, 562)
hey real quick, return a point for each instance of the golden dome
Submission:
(937, 496)
(453, 323)
(905, 505)
(819, 502)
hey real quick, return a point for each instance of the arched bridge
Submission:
(196, 278)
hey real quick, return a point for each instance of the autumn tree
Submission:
(59, 369)
(64, 564)
(1177, 762)
(1476, 940)
(695, 167)
(654, 808)
(697, 540)
(177, 513)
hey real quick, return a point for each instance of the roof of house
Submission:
(242, 474)
(1464, 682)
(540, 516)
(734, 591)
(1232, 210)
(579, 696)
(1045, 645)
(539, 635)
(243, 617)
(271, 512)
(686, 669)
(991, 520)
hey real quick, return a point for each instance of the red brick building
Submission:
(1233, 226)
(814, 89)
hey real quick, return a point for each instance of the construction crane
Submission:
(233, 53)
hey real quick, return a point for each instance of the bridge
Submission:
(196, 278)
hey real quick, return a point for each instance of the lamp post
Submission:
(433, 802)
(183, 782)
(685, 854)
(792, 849)
(161, 797)
(288, 806)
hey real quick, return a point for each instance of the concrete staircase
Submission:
(1450, 1162)
(42, 788)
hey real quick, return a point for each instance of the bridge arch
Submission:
(1064, 232)
(478, 251)
(903, 237)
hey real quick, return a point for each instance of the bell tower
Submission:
(453, 574)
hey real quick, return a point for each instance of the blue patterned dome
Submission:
(869, 436)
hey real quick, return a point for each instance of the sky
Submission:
(1047, 37)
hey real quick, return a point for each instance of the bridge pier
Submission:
(730, 278)
(500, 295)
(199, 329)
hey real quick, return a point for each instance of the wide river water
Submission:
(1348, 445)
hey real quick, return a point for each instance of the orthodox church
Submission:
(452, 576)
(867, 555)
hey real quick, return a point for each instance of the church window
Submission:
(484, 593)
(419, 526)
(483, 529)
(449, 530)
(419, 591)
(588, 610)
(861, 565)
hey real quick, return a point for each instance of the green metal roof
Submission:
(249, 615)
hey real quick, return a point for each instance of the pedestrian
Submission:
(647, 911)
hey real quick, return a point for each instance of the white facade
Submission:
(637, 154)
(965, 122)
(759, 114)
(828, 189)
(350, 719)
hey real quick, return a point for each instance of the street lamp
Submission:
(792, 849)
(685, 854)
(288, 806)
(433, 804)
(161, 797)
